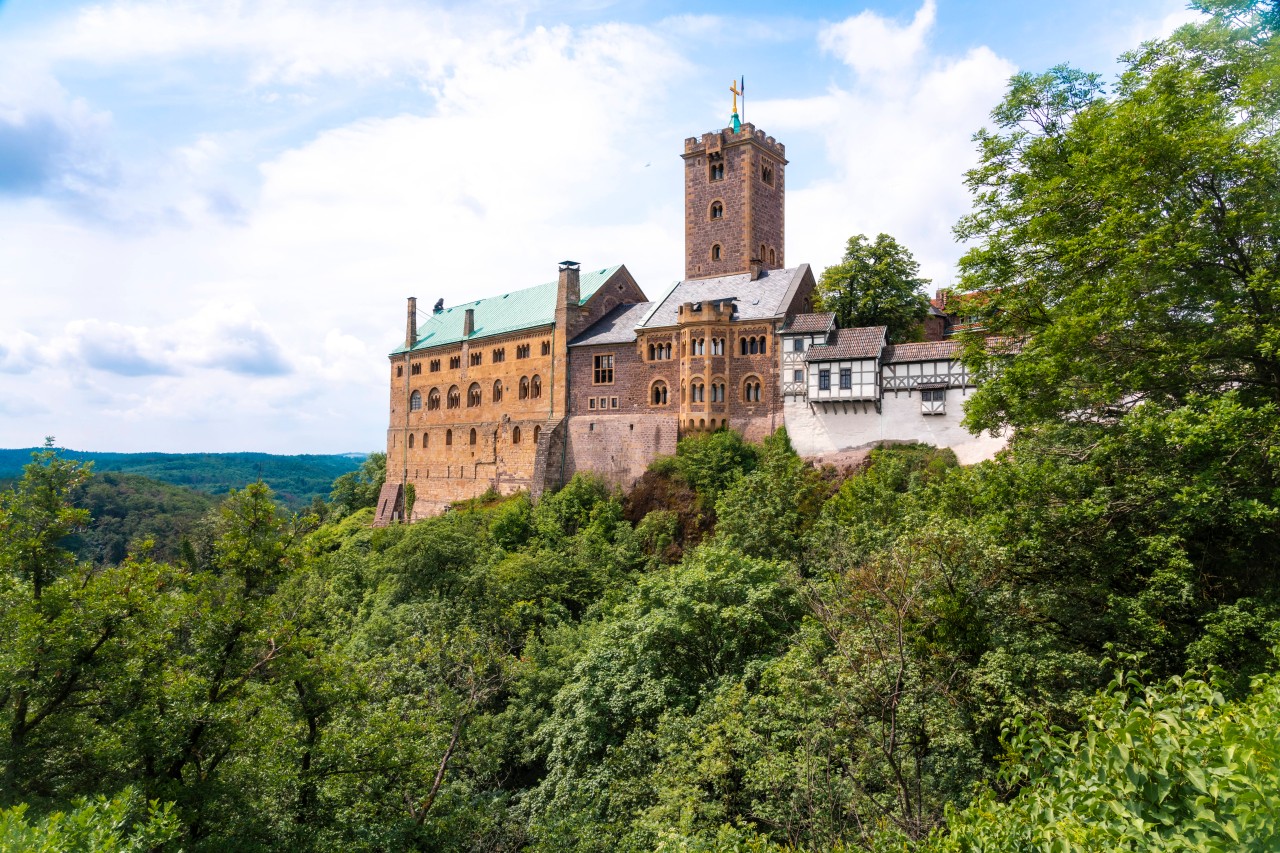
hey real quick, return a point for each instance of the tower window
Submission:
(766, 173)
(399, 370)
(715, 252)
(717, 171)
(416, 368)
(717, 210)
(773, 258)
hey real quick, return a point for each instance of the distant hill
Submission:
(295, 479)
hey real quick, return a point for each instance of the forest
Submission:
(1071, 647)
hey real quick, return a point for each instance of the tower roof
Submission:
(498, 315)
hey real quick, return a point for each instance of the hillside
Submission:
(296, 480)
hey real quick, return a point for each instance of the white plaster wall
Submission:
(814, 433)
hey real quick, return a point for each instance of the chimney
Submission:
(411, 324)
(753, 266)
(569, 290)
(469, 322)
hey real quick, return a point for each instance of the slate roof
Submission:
(616, 327)
(865, 342)
(927, 351)
(765, 297)
(810, 323)
(497, 315)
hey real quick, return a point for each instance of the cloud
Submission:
(871, 44)
(897, 144)
(19, 352)
(119, 349)
(231, 338)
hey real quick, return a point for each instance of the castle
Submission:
(584, 373)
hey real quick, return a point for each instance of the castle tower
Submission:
(734, 194)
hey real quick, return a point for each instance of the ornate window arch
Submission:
(455, 397)
(535, 386)
(433, 400)
(524, 387)
(716, 211)
(658, 393)
(497, 391)
(751, 389)
(473, 395)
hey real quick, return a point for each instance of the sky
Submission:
(211, 211)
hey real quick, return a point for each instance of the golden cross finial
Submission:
(733, 87)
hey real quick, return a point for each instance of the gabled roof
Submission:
(768, 296)
(866, 342)
(508, 312)
(927, 351)
(616, 327)
(810, 323)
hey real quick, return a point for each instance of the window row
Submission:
(602, 403)
(756, 345)
(475, 359)
(472, 438)
(529, 389)
(697, 392)
(824, 379)
(698, 346)
(659, 352)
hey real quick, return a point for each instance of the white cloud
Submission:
(871, 44)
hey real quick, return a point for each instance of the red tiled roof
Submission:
(928, 351)
(851, 343)
(810, 323)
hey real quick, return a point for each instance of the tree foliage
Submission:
(876, 284)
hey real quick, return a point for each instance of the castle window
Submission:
(524, 387)
(499, 355)
(435, 365)
(762, 253)
(535, 387)
(476, 359)
(742, 345)
(753, 345)
(515, 435)
(433, 400)
(751, 390)
(717, 346)
(846, 379)
(613, 402)
(399, 370)
(715, 252)
(651, 351)
(411, 441)
(537, 431)
(766, 173)
(415, 369)
(522, 351)
(603, 370)
(497, 391)
(415, 401)
(591, 402)
(698, 392)
(717, 210)
(455, 397)
(604, 403)
(717, 171)
(473, 395)
(658, 394)
(426, 439)
(546, 347)
(773, 258)
(700, 346)
(455, 361)
(764, 345)
(473, 436)
(448, 437)
(824, 380)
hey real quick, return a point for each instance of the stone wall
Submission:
(617, 448)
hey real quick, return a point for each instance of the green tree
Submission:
(876, 284)
(122, 824)
(360, 488)
(1129, 242)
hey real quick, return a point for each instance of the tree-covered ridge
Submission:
(296, 480)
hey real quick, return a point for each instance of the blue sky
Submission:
(212, 211)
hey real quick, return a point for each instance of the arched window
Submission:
(753, 345)
(473, 435)
(433, 400)
(515, 435)
(535, 387)
(761, 251)
(751, 390)
(763, 342)
(742, 342)
(537, 431)
(717, 210)
(455, 397)
(658, 394)
(426, 439)
(715, 252)
(497, 391)
(667, 351)
(524, 387)
(773, 258)
(652, 348)
(415, 401)
(411, 441)
(448, 438)
(473, 395)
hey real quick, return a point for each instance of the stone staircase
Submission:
(549, 457)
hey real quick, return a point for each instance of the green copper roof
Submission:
(496, 315)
